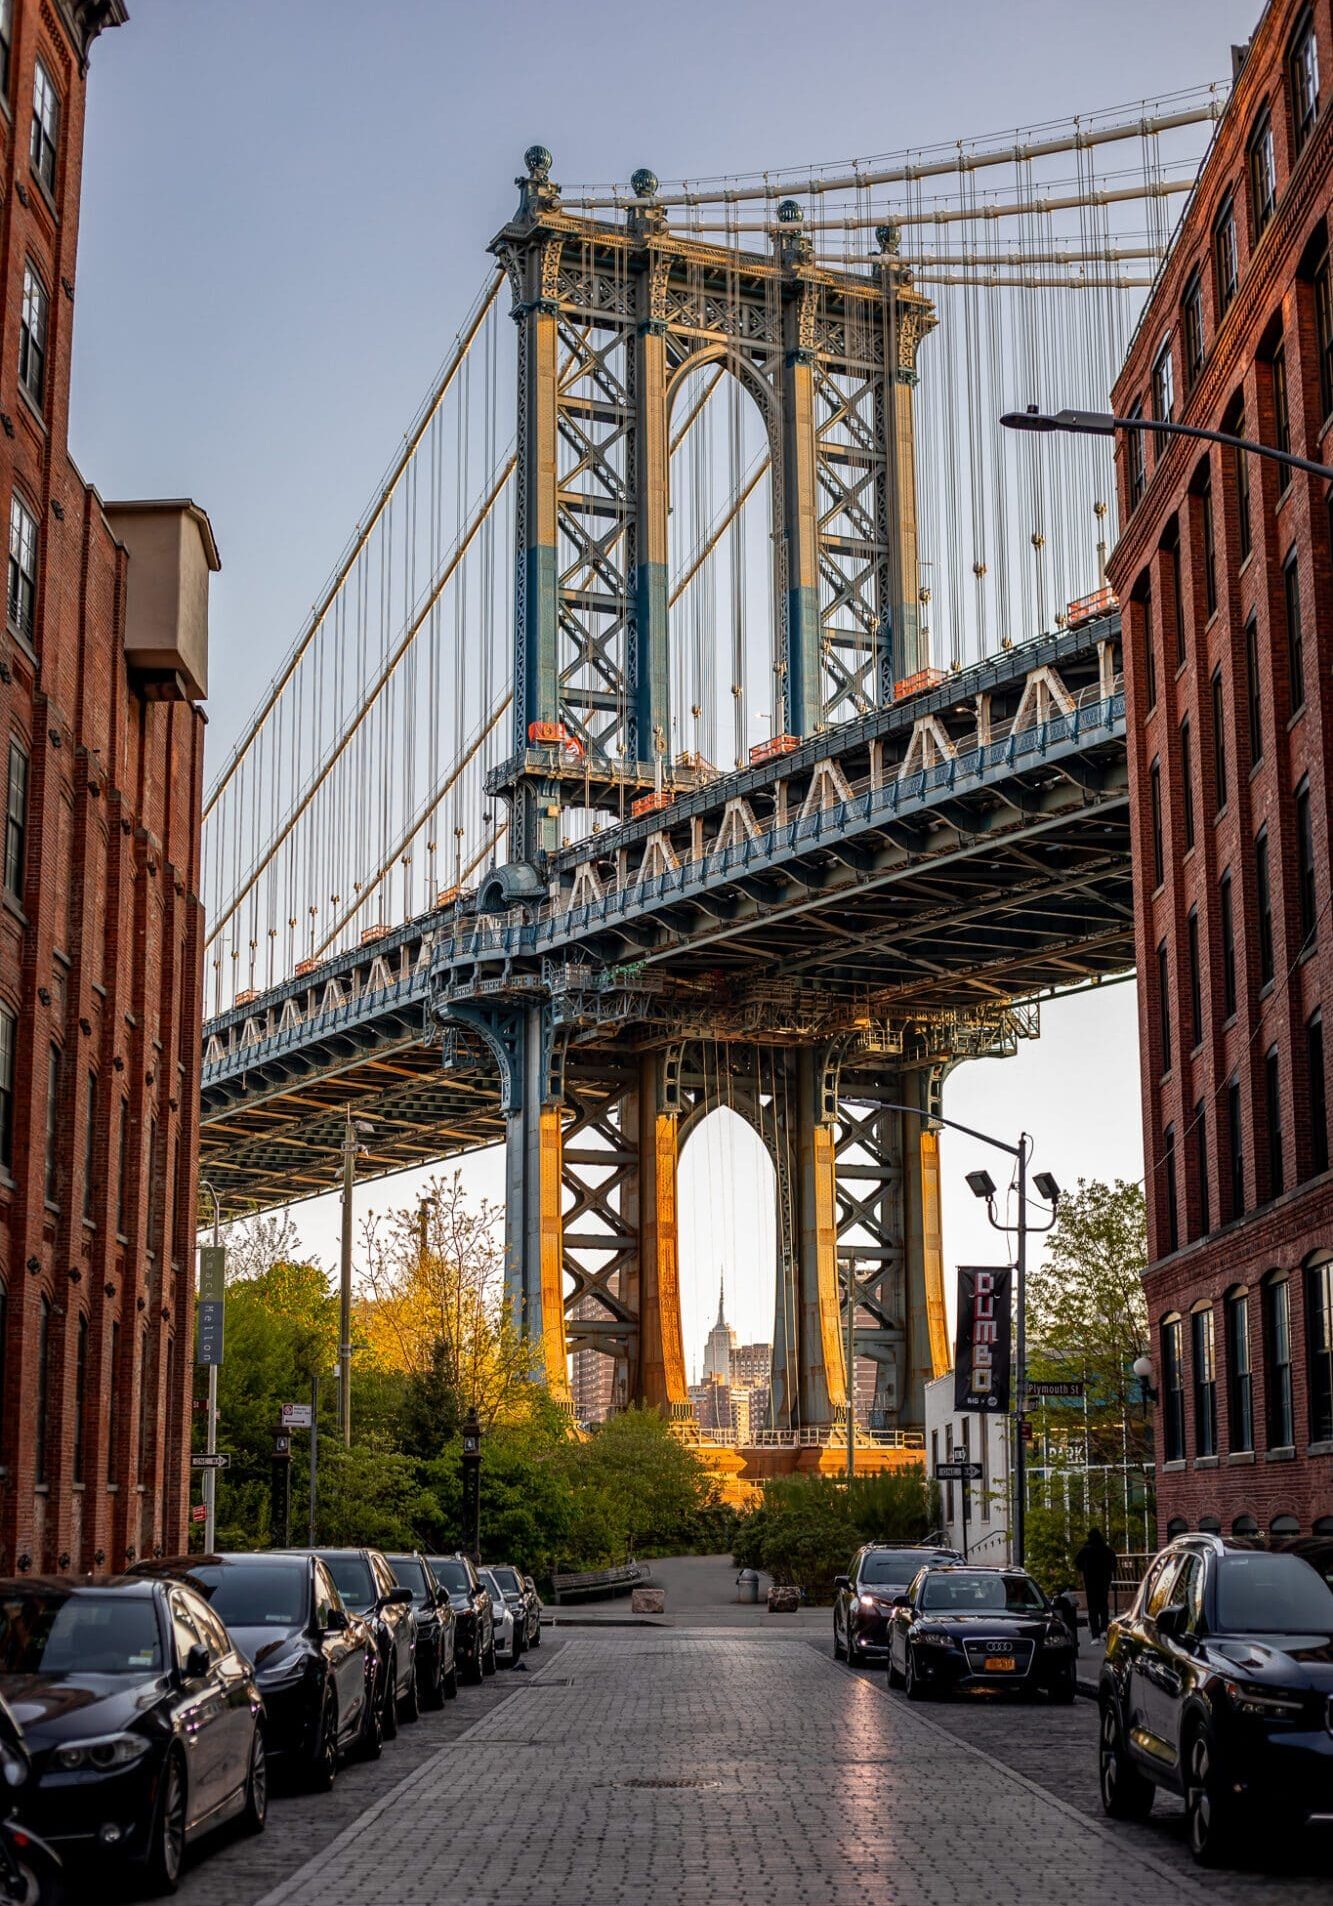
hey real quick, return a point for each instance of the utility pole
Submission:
(1021, 1356)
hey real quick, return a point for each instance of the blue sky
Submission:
(285, 211)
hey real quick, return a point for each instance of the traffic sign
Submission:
(958, 1472)
(1047, 1390)
(209, 1462)
(296, 1416)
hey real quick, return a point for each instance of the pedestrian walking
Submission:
(1095, 1562)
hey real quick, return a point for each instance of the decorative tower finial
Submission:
(539, 162)
(537, 193)
(793, 244)
(889, 238)
(643, 183)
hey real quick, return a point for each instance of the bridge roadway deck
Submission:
(722, 1767)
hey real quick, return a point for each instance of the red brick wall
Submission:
(1274, 304)
(101, 958)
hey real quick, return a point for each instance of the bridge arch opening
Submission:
(722, 617)
(727, 1200)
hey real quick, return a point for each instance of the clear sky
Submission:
(285, 211)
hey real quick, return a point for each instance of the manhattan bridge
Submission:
(712, 708)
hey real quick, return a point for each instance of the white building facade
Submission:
(976, 1439)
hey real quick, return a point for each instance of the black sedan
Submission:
(143, 1720)
(437, 1628)
(367, 1586)
(471, 1603)
(313, 1658)
(963, 1627)
(1218, 1686)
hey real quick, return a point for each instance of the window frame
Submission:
(1273, 1120)
(1155, 820)
(1318, 1279)
(1193, 347)
(1226, 256)
(8, 1053)
(6, 47)
(1172, 1189)
(1187, 779)
(1254, 710)
(1240, 1372)
(1226, 907)
(1291, 609)
(24, 559)
(1203, 1356)
(1277, 371)
(16, 820)
(1307, 898)
(1280, 1411)
(44, 139)
(1163, 379)
(1164, 1004)
(1263, 905)
(1317, 1091)
(1262, 180)
(1136, 460)
(1171, 1341)
(1235, 1147)
(1196, 978)
(34, 330)
(1302, 82)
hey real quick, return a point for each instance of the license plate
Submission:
(999, 1664)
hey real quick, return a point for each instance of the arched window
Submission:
(1205, 1381)
(1319, 1344)
(1284, 1525)
(1210, 1525)
(1240, 1374)
(1245, 1525)
(1173, 1388)
(1277, 1360)
(1176, 1526)
(1322, 1525)
(1303, 81)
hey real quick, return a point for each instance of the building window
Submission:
(1323, 327)
(1205, 1384)
(1219, 742)
(1244, 530)
(80, 1397)
(7, 1029)
(1226, 264)
(1164, 1004)
(1228, 950)
(1173, 1390)
(113, 1408)
(1273, 1120)
(1303, 82)
(1155, 808)
(1253, 702)
(1200, 1123)
(22, 599)
(1236, 1155)
(145, 1403)
(1319, 1347)
(42, 1402)
(1277, 1347)
(45, 127)
(1263, 176)
(1196, 980)
(1281, 414)
(1149, 650)
(1314, 1065)
(1136, 460)
(1209, 549)
(1191, 329)
(16, 821)
(90, 1149)
(51, 1165)
(1263, 899)
(123, 1170)
(1240, 1377)
(1187, 782)
(1291, 592)
(1172, 1202)
(1163, 388)
(1177, 594)
(6, 44)
(32, 337)
(1305, 886)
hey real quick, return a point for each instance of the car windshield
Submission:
(893, 1568)
(491, 1586)
(409, 1572)
(51, 1633)
(452, 1575)
(978, 1594)
(352, 1579)
(256, 1594)
(508, 1580)
(1272, 1594)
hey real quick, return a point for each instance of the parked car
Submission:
(521, 1600)
(1218, 1685)
(437, 1628)
(30, 1871)
(863, 1604)
(963, 1627)
(313, 1658)
(535, 1606)
(507, 1623)
(474, 1636)
(366, 1584)
(143, 1720)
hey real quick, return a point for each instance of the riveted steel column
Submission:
(823, 1360)
(912, 317)
(649, 667)
(927, 1353)
(534, 1255)
(661, 1381)
(801, 514)
(536, 621)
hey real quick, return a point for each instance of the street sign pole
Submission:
(212, 1282)
(314, 1449)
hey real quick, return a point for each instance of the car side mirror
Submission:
(338, 1622)
(842, 1581)
(398, 1598)
(902, 1601)
(1171, 1621)
(196, 1662)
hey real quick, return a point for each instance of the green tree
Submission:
(636, 1486)
(806, 1529)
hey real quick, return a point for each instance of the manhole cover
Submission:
(664, 1781)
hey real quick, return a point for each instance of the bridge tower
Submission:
(611, 318)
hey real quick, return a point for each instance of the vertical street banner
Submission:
(209, 1309)
(982, 1349)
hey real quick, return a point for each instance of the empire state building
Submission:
(721, 1345)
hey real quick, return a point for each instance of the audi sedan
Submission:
(960, 1627)
(313, 1659)
(143, 1720)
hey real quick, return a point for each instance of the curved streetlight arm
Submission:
(1100, 423)
(933, 1118)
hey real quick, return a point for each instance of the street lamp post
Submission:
(1101, 423)
(211, 1422)
(472, 1486)
(353, 1130)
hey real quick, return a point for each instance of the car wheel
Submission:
(913, 1685)
(409, 1708)
(372, 1726)
(390, 1702)
(537, 1633)
(449, 1682)
(1065, 1690)
(1210, 1817)
(474, 1667)
(324, 1761)
(433, 1696)
(27, 1887)
(255, 1812)
(166, 1853)
(488, 1661)
(1126, 1793)
(895, 1675)
(839, 1652)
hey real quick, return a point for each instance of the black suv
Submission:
(960, 1626)
(1218, 1685)
(474, 1635)
(876, 1574)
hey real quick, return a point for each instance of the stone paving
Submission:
(692, 1766)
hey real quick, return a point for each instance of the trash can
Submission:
(747, 1586)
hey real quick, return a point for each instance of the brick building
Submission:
(102, 663)
(1225, 573)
